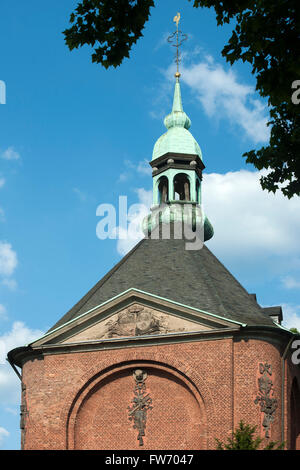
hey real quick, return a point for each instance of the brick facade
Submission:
(200, 391)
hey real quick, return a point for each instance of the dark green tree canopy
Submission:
(113, 26)
(266, 34)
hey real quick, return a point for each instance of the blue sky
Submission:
(74, 135)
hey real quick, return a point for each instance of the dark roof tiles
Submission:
(165, 268)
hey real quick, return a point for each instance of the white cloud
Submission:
(291, 316)
(145, 197)
(10, 283)
(12, 411)
(3, 315)
(8, 259)
(247, 220)
(290, 283)
(162, 42)
(144, 168)
(19, 335)
(81, 195)
(129, 164)
(10, 154)
(3, 434)
(136, 213)
(224, 96)
(2, 215)
(123, 177)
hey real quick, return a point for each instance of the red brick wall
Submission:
(104, 412)
(200, 391)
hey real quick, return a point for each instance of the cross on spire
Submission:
(179, 38)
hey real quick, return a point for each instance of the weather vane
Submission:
(179, 37)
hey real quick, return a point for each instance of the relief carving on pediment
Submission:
(137, 321)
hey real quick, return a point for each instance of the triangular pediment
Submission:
(136, 320)
(134, 314)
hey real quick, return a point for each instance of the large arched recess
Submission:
(98, 418)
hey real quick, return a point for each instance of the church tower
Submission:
(168, 350)
(177, 167)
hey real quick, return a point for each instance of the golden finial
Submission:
(176, 19)
(180, 37)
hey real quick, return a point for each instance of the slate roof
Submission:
(165, 268)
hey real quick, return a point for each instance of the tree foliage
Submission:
(295, 330)
(111, 27)
(266, 34)
(243, 438)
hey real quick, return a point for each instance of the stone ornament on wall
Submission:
(268, 404)
(136, 321)
(141, 403)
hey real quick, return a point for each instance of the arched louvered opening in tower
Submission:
(163, 190)
(198, 193)
(182, 189)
